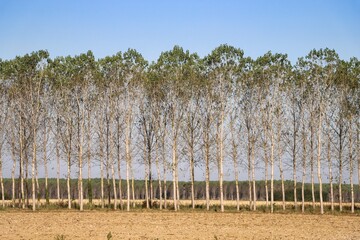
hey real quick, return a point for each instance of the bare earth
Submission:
(16, 224)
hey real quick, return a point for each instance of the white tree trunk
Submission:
(46, 166)
(163, 155)
(266, 174)
(119, 164)
(177, 184)
(319, 161)
(2, 182)
(340, 177)
(112, 160)
(21, 164)
(330, 170)
(294, 160)
(158, 173)
(101, 146)
(114, 183)
(174, 165)
(221, 139)
(312, 164)
(281, 165)
(57, 168)
(192, 176)
(249, 173)
(253, 175)
(358, 148)
(37, 185)
(128, 158)
(207, 169)
(236, 172)
(33, 169)
(68, 177)
(272, 172)
(13, 197)
(351, 165)
(88, 136)
(80, 192)
(147, 170)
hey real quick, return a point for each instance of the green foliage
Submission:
(47, 196)
(90, 191)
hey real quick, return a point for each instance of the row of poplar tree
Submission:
(257, 115)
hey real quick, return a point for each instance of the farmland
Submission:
(51, 222)
(150, 224)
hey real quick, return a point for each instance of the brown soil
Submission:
(16, 224)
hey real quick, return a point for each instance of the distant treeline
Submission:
(185, 190)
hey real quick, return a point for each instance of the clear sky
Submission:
(70, 27)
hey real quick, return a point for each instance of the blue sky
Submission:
(70, 27)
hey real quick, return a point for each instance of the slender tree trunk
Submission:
(158, 173)
(281, 166)
(13, 197)
(146, 176)
(207, 168)
(114, 183)
(133, 187)
(221, 139)
(68, 170)
(33, 168)
(192, 177)
(69, 134)
(266, 157)
(304, 144)
(294, 160)
(21, 173)
(80, 156)
(108, 187)
(112, 161)
(253, 173)
(128, 158)
(358, 148)
(46, 167)
(249, 173)
(174, 165)
(319, 161)
(127, 184)
(340, 170)
(235, 164)
(164, 166)
(151, 197)
(272, 172)
(330, 168)
(119, 163)
(57, 149)
(312, 163)
(37, 184)
(150, 175)
(191, 162)
(26, 177)
(2, 182)
(177, 182)
(101, 145)
(34, 119)
(351, 166)
(88, 136)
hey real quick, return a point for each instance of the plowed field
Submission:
(56, 224)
